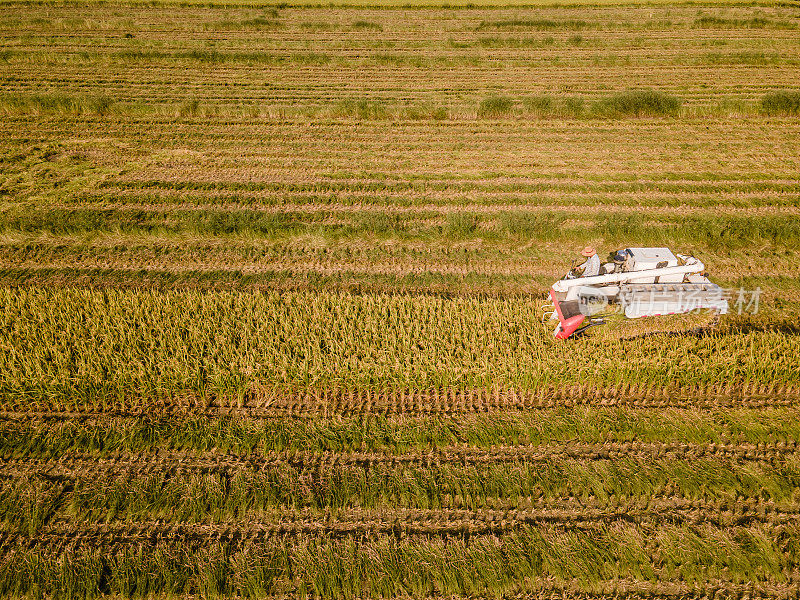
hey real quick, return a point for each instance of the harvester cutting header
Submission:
(638, 282)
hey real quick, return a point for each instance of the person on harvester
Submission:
(591, 266)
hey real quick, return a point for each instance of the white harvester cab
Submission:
(639, 282)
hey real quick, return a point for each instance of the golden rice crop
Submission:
(73, 344)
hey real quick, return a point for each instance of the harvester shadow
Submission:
(700, 332)
(715, 330)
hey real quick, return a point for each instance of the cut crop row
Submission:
(162, 463)
(446, 200)
(338, 83)
(684, 560)
(30, 436)
(48, 508)
(232, 152)
(399, 523)
(27, 505)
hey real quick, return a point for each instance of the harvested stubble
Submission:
(211, 219)
(534, 517)
(439, 51)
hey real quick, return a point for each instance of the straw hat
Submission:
(587, 252)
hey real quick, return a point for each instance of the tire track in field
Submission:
(76, 465)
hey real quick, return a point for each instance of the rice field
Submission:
(272, 279)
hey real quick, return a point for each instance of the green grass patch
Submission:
(423, 283)
(461, 224)
(27, 508)
(58, 104)
(268, 21)
(379, 223)
(637, 103)
(538, 225)
(495, 107)
(210, 55)
(367, 26)
(714, 22)
(631, 104)
(706, 231)
(784, 103)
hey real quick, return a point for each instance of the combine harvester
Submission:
(640, 282)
